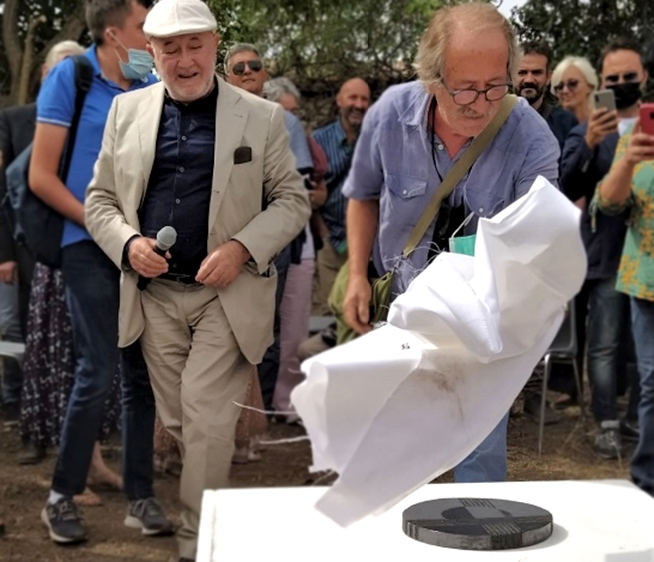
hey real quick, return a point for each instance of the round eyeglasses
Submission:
(469, 96)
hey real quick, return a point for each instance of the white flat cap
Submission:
(178, 17)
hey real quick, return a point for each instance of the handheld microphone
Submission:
(166, 239)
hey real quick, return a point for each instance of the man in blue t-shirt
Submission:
(91, 280)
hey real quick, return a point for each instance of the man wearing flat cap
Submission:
(214, 163)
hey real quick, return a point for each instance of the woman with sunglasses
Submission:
(573, 83)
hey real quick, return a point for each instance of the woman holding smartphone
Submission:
(630, 185)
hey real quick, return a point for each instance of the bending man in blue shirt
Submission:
(409, 141)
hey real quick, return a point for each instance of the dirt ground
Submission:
(566, 455)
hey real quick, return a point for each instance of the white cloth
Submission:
(399, 406)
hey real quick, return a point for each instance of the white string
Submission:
(286, 441)
(266, 412)
(274, 412)
(323, 477)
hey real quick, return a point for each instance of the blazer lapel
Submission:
(231, 117)
(148, 128)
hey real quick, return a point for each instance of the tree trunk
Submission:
(71, 30)
(28, 57)
(11, 41)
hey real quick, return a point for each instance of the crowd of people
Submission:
(165, 343)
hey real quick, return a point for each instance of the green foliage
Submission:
(52, 20)
(583, 27)
(318, 43)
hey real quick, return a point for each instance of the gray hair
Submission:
(240, 48)
(60, 51)
(275, 88)
(476, 16)
(583, 65)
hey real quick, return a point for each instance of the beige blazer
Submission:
(121, 177)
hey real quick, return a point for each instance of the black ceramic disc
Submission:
(477, 524)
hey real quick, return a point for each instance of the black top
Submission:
(581, 170)
(179, 190)
(16, 133)
(561, 121)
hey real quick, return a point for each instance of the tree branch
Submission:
(72, 29)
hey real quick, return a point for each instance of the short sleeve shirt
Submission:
(393, 163)
(55, 105)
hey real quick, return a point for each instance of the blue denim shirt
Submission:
(393, 163)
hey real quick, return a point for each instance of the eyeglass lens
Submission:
(469, 96)
(570, 84)
(254, 65)
(626, 77)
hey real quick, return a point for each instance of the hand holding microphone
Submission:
(148, 257)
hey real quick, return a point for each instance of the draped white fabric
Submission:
(399, 406)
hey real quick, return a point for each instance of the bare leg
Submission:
(100, 473)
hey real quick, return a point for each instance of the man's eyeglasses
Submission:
(469, 96)
(570, 84)
(254, 65)
(626, 77)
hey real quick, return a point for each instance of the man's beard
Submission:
(532, 98)
(353, 116)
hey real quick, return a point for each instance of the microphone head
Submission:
(166, 237)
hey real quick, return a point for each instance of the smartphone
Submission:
(606, 99)
(647, 118)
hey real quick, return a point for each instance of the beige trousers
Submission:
(328, 264)
(197, 372)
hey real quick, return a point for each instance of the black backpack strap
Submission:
(83, 80)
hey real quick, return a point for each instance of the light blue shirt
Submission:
(393, 163)
(298, 142)
(56, 106)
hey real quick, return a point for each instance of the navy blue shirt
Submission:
(561, 122)
(179, 190)
(581, 170)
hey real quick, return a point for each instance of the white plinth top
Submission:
(594, 521)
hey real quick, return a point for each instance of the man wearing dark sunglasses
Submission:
(587, 157)
(244, 68)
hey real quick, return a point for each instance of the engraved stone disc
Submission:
(477, 524)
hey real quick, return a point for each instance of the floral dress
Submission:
(49, 365)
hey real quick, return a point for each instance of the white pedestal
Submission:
(594, 521)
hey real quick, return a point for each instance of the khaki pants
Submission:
(197, 371)
(328, 264)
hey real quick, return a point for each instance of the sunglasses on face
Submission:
(626, 77)
(254, 65)
(570, 84)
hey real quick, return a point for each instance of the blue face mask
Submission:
(139, 63)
